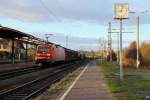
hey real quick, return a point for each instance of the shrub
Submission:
(145, 51)
(131, 55)
(113, 55)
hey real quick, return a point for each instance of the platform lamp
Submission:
(138, 34)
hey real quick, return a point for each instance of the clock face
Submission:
(121, 11)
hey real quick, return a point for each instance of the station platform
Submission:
(89, 85)
(5, 67)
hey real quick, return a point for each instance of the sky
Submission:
(84, 22)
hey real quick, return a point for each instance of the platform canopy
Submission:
(9, 33)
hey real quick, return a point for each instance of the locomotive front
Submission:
(43, 54)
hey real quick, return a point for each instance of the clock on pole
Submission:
(121, 12)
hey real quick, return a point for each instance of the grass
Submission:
(131, 87)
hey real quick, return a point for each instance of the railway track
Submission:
(30, 89)
(17, 72)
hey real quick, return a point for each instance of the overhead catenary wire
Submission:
(50, 12)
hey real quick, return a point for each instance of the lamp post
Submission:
(138, 35)
(138, 61)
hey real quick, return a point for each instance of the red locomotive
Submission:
(51, 53)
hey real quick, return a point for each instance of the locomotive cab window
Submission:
(43, 48)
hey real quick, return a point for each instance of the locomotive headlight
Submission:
(48, 54)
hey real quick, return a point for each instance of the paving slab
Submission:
(90, 86)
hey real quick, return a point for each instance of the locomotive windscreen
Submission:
(43, 48)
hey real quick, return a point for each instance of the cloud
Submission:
(91, 11)
(51, 10)
(24, 10)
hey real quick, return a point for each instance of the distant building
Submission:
(4, 45)
(6, 49)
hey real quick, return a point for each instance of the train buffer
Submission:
(89, 85)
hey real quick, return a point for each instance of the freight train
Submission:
(51, 53)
